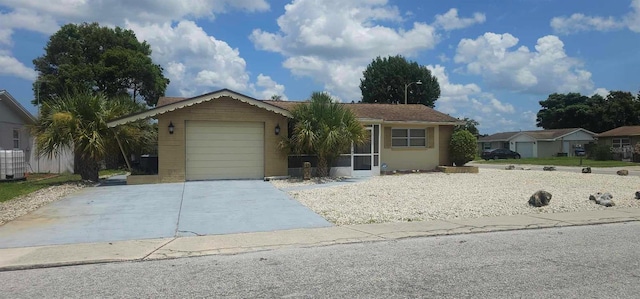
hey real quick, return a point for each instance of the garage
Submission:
(525, 149)
(224, 150)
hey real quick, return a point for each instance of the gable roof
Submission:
(386, 112)
(543, 135)
(621, 131)
(170, 104)
(380, 112)
(503, 136)
(13, 104)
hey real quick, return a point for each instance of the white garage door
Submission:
(525, 149)
(225, 150)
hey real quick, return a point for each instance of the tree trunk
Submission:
(88, 169)
(322, 169)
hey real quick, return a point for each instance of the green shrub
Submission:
(601, 152)
(463, 147)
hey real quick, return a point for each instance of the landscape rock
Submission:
(549, 168)
(510, 167)
(540, 198)
(603, 199)
(586, 169)
(622, 172)
(637, 195)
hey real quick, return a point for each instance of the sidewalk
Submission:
(155, 249)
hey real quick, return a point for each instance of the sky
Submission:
(494, 59)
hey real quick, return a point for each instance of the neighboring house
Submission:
(14, 125)
(539, 143)
(227, 135)
(15, 134)
(622, 140)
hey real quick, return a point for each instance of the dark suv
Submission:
(501, 153)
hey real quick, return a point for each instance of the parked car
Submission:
(501, 153)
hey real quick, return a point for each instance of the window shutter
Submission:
(387, 137)
(431, 136)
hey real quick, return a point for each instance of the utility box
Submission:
(13, 165)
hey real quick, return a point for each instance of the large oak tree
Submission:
(595, 113)
(385, 80)
(88, 57)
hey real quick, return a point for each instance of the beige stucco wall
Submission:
(172, 147)
(408, 158)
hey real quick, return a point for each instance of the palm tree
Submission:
(323, 128)
(79, 120)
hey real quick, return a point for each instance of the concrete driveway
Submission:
(114, 212)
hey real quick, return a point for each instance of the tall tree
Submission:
(323, 128)
(470, 125)
(386, 79)
(111, 61)
(594, 113)
(79, 120)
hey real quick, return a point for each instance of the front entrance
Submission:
(365, 158)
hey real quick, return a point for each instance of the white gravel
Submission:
(23, 205)
(431, 196)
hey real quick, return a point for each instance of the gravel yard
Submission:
(431, 196)
(20, 206)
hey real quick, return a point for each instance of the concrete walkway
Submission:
(177, 247)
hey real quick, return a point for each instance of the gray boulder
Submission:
(637, 194)
(540, 198)
(603, 199)
(622, 172)
(549, 168)
(510, 167)
(586, 169)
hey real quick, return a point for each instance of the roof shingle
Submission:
(621, 131)
(386, 112)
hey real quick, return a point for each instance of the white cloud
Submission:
(578, 22)
(546, 70)
(114, 11)
(193, 60)
(12, 67)
(197, 62)
(333, 41)
(269, 88)
(451, 21)
(468, 100)
(601, 91)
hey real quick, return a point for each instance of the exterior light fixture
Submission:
(407, 86)
(277, 131)
(171, 127)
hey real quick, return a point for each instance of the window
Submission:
(486, 145)
(16, 138)
(621, 142)
(408, 138)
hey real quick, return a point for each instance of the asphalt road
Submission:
(574, 262)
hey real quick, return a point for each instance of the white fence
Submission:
(60, 163)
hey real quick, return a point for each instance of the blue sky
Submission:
(494, 59)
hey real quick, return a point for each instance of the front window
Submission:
(408, 138)
(16, 139)
(621, 142)
(486, 145)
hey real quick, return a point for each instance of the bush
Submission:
(601, 152)
(463, 147)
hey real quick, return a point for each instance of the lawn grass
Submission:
(37, 181)
(34, 182)
(560, 161)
